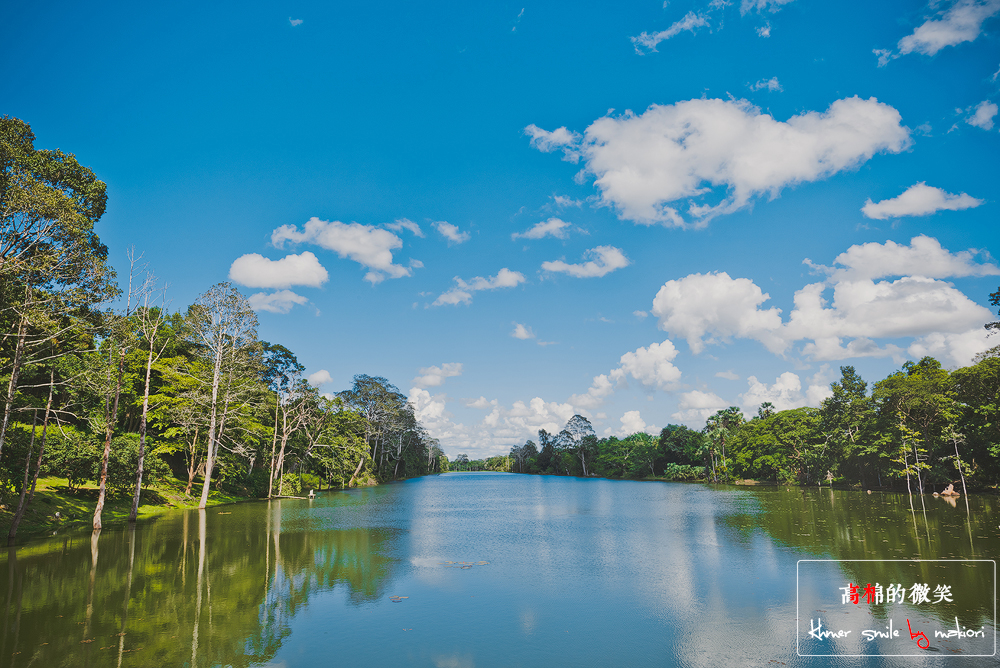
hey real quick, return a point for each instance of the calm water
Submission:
(579, 573)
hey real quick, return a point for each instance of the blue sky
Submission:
(518, 212)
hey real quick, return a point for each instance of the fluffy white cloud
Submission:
(962, 22)
(553, 227)
(653, 366)
(728, 375)
(321, 377)
(919, 199)
(462, 292)
(785, 393)
(557, 139)
(601, 388)
(481, 403)
(451, 232)
(983, 116)
(433, 376)
(643, 164)
(770, 84)
(764, 30)
(632, 423)
(923, 257)
(605, 260)
(954, 349)
(281, 301)
(294, 22)
(691, 22)
(369, 246)
(642, 315)
(522, 332)
(709, 307)
(695, 407)
(257, 271)
(717, 307)
(406, 224)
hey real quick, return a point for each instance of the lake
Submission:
(466, 570)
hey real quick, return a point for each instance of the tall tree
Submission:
(223, 328)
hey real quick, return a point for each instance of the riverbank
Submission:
(56, 508)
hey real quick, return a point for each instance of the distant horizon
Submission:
(516, 214)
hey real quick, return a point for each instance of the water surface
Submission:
(485, 569)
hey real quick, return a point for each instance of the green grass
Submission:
(76, 508)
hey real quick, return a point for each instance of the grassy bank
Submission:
(56, 508)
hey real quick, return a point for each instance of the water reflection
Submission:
(567, 572)
(201, 589)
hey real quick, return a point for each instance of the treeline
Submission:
(125, 395)
(919, 429)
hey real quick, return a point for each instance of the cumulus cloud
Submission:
(923, 257)
(321, 377)
(434, 376)
(632, 423)
(522, 332)
(764, 30)
(451, 233)
(406, 224)
(652, 366)
(281, 301)
(369, 246)
(562, 201)
(605, 260)
(710, 308)
(983, 115)
(553, 227)
(728, 375)
(557, 139)
(462, 292)
(961, 22)
(703, 308)
(695, 407)
(691, 22)
(257, 271)
(601, 388)
(919, 199)
(785, 393)
(644, 165)
(770, 84)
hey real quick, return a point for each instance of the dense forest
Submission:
(919, 429)
(127, 395)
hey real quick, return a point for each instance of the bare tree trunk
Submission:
(109, 431)
(22, 332)
(274, 443)
(23, 504)
(193, 463)
(142, 434)
(356, 471)
(210, 455)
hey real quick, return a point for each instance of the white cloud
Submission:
(562, 201)
(601, 388)
(406, 224)
(919, 199)
(653, 366)
(434, 376)
(643, 165)
(632, 423)
(462, 292)
(522, 332)
(294, 22)
(712, 307)
(642, 315)
(481, 403)
(691, 22)
(728, 375)
(553, 227)
(923, 257)
(257, 271)
(962, 22)
(369, 246)
(762, 5)
(954, 349)
(983, 117)
(321, 377)
(695, 407)
(764, 30)
(451, 233)
(770, 84)
(276, 302)
(605, 260)
(715, 305)
(786, 392)
(560, 138)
